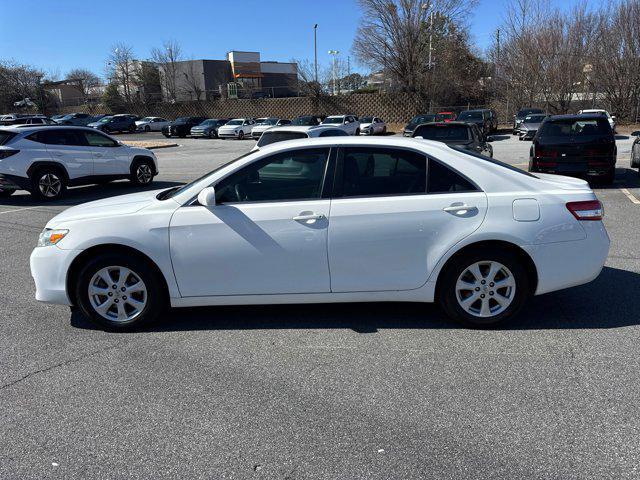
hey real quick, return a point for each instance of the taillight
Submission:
(588, 210)
(546, 152)
(4, 153)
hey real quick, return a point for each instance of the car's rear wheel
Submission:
(142, 172)
(120, 292)
(212, 134)
(484, 287)
(7, 193)
(48, 183)
(357, 131)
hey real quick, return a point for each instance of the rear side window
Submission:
(383, 171)
(6, 136)
(96, 139)
(443, 132)
(575, 128)
(59, 137)
(268, 138)
(444, 180)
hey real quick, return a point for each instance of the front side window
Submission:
(293, 175)
(95, 139)
(383, 171)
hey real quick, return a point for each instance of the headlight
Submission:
(51, 237)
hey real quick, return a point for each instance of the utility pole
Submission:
(349, 72)
(334, 53)
(430, 38)
(497, 62)
(315, 49)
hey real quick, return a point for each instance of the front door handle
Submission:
(98, 155)
(304, 217)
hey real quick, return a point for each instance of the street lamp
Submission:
(315, 49)
(334, 53)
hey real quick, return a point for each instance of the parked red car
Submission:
(445, 117)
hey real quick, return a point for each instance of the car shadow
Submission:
(610, 301)
(625, 178)
(499, 138)
(77, 195)
(622, 137)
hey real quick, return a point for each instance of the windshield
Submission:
(470, 116)
(443, 132)
(367, 120)
(268, 137)
(575, 128)
(305, 121)
(172, 192)
(6, 136)
(527, 111)
(146, 119)
(209, 122)
(333, 121)
(422, 119)
(104, 119)
(236, 122)
(182, 120)
(534, 118)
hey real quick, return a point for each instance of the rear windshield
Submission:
(575, 128)
(491, 160)
(470, 116)
(6, 136)
(527, 111)
(268, 138)
(443, 133)
(418, 119)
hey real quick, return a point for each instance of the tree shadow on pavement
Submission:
(610, 301)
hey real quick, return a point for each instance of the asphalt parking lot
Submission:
(322, 391)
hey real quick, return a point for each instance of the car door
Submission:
(69, 147)
(110, 157)
(394, 214)
(267, 233)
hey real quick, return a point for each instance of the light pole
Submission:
(334, 53)
(315, 49)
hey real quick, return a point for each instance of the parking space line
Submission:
(18, 210)
(630, 196)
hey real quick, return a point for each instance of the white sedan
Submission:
(372, 126)
(151, 124)
(348, 123)
(335, 219)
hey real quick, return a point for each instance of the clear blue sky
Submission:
(58, 35)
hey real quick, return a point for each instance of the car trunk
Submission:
(575, 154)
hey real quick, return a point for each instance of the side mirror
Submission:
(207, 197)
(636, 133)
(613, 117)
(489, 139)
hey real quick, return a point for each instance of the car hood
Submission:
(94, 124)
(138, 122)
(531, 126)
(229, 127)
(261, 128)
(113, 206)
(365, 125)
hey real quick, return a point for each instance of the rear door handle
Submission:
(303, 217)
(461, 209)
(98, 155)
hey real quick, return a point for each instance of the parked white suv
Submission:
(348, 123)
(611, 119)
(45, 160)
(237, 128)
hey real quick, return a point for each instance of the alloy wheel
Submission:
(485, 289)
(117, 293)
(50, 185)
(144, 173)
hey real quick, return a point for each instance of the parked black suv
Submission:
(485, 119)
(182, 126)
(576, 145)
(116, 123)
(466, 136)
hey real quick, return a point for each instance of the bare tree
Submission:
(306, 79)
(88, 79)
(193, 84)
(121, 69)
(167, 58)
(19, 82)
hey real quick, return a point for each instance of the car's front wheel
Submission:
(120, 292)
(484, 287)
(147, 128)
(241, 135)
(48, 183)
(212, 134)
(142, 172)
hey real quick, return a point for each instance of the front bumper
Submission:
(227, 134)
(199, 133)
(49, 267)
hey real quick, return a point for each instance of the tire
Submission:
(141, 172)
(241, 135)
(609, 178)
(478, 313)
(122, 312)
(147, 128)
(6, 193)
(357, 131)
(384, 130)
(48, 183)
(132, 129)
(167, 135)
(212, 134)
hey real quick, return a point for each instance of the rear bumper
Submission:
(568, 264)
(13, 182)
(572, 168)
(49, 267)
